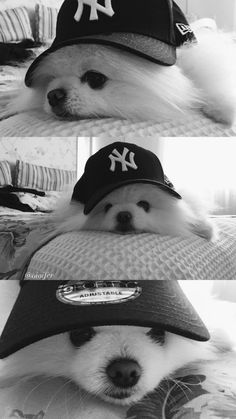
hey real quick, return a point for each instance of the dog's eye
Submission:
(94, 79)
(144, 204)
(157, 335)
(80, 336)
(107, 207)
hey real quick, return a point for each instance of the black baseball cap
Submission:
(116, 165)
(47, 308)
(152, 29)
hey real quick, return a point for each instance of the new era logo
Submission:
(184, 29)
(116, 157)
(94, 8)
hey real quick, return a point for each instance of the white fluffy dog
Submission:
(121, 364)
(138, 208)
(137, 361)
(102, 81)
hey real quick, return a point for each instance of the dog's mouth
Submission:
(128, 230)
(119, 395)
(63, 114)
(123, 375)
(125, 228)
(56, 99)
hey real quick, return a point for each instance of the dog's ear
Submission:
(204, 228)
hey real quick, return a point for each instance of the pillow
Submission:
(46, 20)
(15, 25)
(41, 177)
(5, 173)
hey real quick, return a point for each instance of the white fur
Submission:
(203, 78)
(167, 216)
(211, 65)
(86, 366)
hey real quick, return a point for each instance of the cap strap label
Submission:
(98, 292)
(116, 157)
(95, 7)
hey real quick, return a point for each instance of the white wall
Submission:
(182, 4)
(223, 11)
(51, 152)
(8, 293)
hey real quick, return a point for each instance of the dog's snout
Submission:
(124, 373)
(56, 97)
(124, 217)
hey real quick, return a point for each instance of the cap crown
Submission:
(117, 163)
(79, 18)
(151, 29)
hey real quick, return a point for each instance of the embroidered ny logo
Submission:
(95, 7)
(116, 157)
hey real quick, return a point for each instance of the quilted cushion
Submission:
(97, 255)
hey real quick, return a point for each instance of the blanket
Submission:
(39, 124)
(99, 255)
(15, 227)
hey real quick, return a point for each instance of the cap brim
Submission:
(38, 313)
(144, 46)
(101, 193)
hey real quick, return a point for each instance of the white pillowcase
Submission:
(45, 23)
(5, 174)
(15, 25)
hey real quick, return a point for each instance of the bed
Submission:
(15, 227)
(40, 124)
(41, 27)
(31, 23)
(29, 194)
(12, 76)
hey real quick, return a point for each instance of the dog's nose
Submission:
(56, 97)
(124, 373)
(124, 217)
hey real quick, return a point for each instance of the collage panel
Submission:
(93, 67)
(117, 261)
(158, 209)
(154, 356)
(117, 209)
